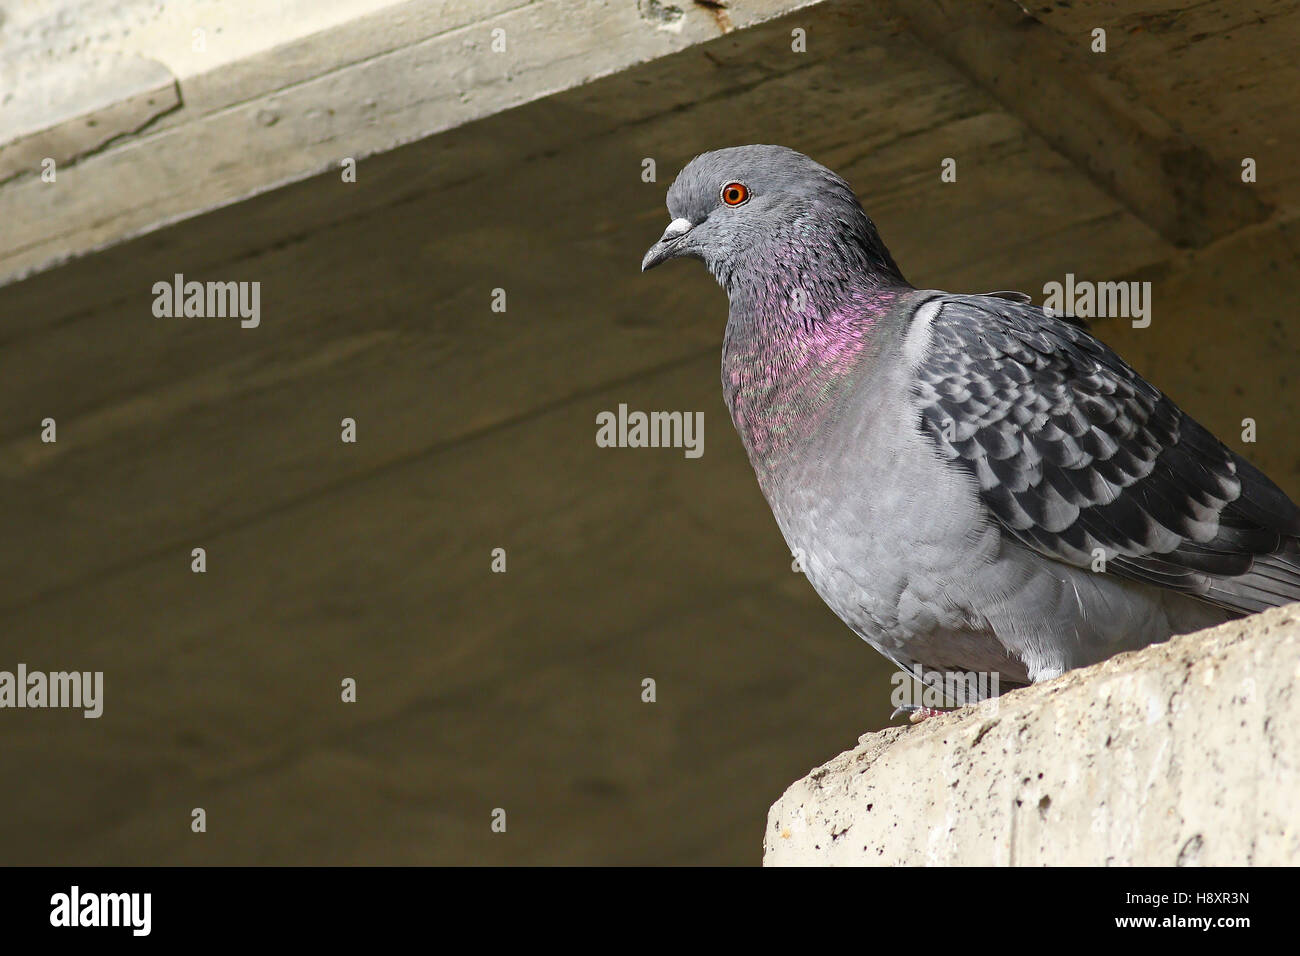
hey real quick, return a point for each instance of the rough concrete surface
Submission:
(1182, 754)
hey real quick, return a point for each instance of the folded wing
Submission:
(1080, 458)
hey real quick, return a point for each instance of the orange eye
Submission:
(735, 194)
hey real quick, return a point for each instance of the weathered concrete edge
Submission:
(1197, 763)
(202, 159)
(120, 97)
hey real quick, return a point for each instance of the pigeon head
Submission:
(754, 213)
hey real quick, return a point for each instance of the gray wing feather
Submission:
(1073, 451)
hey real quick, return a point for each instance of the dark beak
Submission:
(668, 245)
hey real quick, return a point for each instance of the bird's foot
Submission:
(916, 713)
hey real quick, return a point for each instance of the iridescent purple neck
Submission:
(803, 325)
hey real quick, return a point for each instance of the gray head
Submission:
(747, 211)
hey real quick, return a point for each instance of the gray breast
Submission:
(897, 542)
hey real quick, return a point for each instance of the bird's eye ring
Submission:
(735, 194)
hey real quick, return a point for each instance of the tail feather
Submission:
(1273, 580)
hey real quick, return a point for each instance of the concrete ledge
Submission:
(1181, 754)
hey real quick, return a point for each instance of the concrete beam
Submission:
(1068, 96)
(257, 97)
(76, 111)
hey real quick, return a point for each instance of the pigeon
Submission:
(972, 484)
